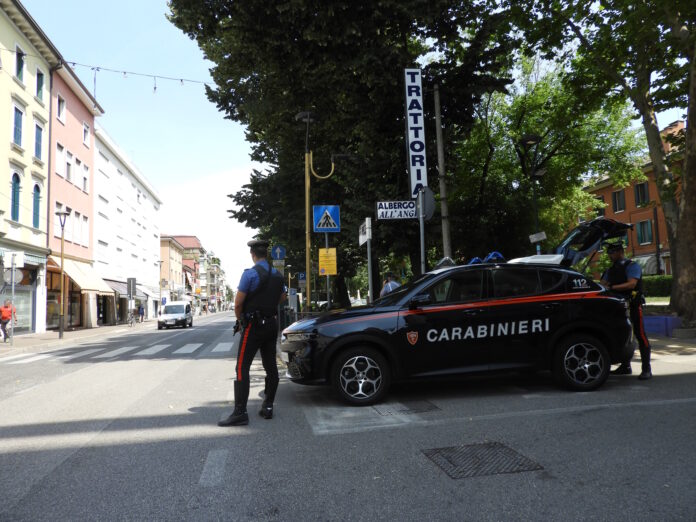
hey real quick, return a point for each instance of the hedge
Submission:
(657, 285)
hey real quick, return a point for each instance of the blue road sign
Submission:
(278, 252)
(301, 276)
(327, 218)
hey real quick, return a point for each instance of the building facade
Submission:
(27, 62)
(71, 235)
(172, 269)
(193, 252)
(126, 231)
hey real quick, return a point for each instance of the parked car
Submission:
(175, 313)
(528, 313)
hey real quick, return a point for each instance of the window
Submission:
(644, 231)
(641, 193)
(39, 84)
(85, 134)
(551, 280)
(17, 136)
(85, 178)
(460, 288)
(68, 167)
(85, 231)
(618, 201)
(600, 211)
(15, 197)
(69, 224)
(56, 220)
(515, 283)
(61, 109)
(77, 229)
(37, 206)
(38, 141)
(60, 160)
(19, 64)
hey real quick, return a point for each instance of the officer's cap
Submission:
(613, 247)
(258, 243)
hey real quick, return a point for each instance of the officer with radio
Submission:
(260, 291)
(624, 277)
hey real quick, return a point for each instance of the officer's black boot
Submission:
(239, 416)
(646, 370)
(266, 410)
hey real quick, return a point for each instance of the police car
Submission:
(531, 312)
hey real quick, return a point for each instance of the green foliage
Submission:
(657, 285)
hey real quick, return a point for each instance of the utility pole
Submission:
(444, 211)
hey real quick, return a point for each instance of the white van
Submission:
(175, 313)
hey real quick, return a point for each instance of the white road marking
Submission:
(32, 359)
(152, 349)
(188, 348)
(116, 352)
(214, 468)
(223, 347)
(13, 357)
(75, 355)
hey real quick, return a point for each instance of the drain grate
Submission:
(404, 407)
(489, 458)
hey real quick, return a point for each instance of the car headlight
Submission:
(293, 337)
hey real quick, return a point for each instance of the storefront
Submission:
(120, 288)
(29, 290)
(83, 290)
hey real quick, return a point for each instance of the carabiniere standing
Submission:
(259, 293)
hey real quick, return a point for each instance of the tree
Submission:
(343, 61)
(643, 52)
(491, 190)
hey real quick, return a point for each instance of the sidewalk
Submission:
(49, 339)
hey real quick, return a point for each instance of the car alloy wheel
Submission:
(361, 376)
(582, 363)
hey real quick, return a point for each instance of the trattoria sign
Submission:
(415, 125)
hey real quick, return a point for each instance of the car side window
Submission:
(551, 281)
(188, 309)
(515, 282)
(459, 288)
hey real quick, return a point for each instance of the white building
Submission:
(126, 229)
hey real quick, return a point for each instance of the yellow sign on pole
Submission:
(327, 261)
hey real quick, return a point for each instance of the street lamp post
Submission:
(62, 217)
(526, 142)
(306, 117)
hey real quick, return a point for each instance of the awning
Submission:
(122, 289)
(188, 278)
(84, 276)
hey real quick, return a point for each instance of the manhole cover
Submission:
(404, 407)
(489, 458)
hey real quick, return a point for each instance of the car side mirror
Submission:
(419, 300)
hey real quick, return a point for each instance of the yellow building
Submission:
(27, 60)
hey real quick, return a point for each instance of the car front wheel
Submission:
(581, 362)
(360, 376)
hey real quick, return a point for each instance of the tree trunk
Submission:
(684, 280)
(342, 297)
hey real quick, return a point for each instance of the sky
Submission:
(185, 148)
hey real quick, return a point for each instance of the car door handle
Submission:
(551, 306)
(473, 312)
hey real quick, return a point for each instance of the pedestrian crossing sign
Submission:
(327, 218)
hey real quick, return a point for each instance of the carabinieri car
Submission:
(528, 313)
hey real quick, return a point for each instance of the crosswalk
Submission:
(106, 353)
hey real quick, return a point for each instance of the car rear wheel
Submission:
(360, 376)
(581, 362)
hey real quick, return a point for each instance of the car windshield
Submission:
(174, 309)
(395, 295)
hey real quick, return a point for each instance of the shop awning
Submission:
(148, 291)
(122, 289)
(84, 276)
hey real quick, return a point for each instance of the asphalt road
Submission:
(125, 429)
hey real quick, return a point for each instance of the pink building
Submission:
(71, 171)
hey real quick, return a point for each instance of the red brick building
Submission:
(639, 203)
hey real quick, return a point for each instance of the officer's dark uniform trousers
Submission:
(617, 276)
(259, 333)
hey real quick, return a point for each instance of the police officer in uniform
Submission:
(625, 278)
(259, 293)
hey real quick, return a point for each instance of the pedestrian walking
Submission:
(7, 311)
(624, 277)
(390, 284)
(259, 293)
(141, 313)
